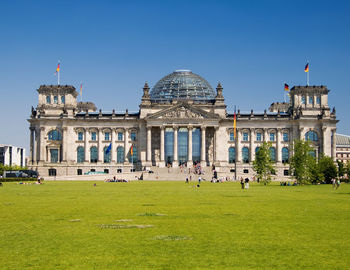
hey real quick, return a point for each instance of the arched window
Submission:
(106, 155)
(120, 154)
(80, 154)
(245, 155)
(133, 154)
(93, 154)
(311, 136)
(231, 155)
(55, 135)
(273, 154)
(285, 154)
(256, 151)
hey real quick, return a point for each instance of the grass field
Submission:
(173, 225)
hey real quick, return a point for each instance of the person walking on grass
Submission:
(242, 183)
(338, 184)
(333, 183)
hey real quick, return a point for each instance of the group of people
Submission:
(244, 183)
(335, 183)
(283, 183)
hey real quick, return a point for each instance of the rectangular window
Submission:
(79, 172)
(303, 100)
(120, 136)
(54, 155)
(285, 137)
(133, 136)
(48, 99)
(311, 100)
(63, 99)
(80, 136)
(258, 136)
(93, 136)
(106, 136)
(245, 136)
(272, 137)
(55, 99)
(318, 100)
(232, 136)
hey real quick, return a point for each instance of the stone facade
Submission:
(70, 138)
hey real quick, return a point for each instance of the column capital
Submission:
(203, 128)
(190, 127)
(42, 128)
(324, 129)
(149, 127)
(175, 127)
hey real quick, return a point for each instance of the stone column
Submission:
(266, 135)
(301, 133)
(252, 150)
(175, 162)
(126, 145)
(149, 144)
(238, 146)
(37, 144)
(100, 147)
(189, 151)
(278, 146)
(324, 136)
(42, 144)
(32, 144)
(162, 143)
(333, 144)
(203, 162)
(86, 145)
(216, 144)
(113, 150)
(64, 145)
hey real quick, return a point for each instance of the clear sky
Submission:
(113, 47)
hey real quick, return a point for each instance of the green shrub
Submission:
(17, 179)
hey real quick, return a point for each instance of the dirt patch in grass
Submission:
(123, 220)
(74, 220)
(119, 226)
(151, 214)
(172, 237)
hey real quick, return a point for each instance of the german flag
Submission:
(132, 150)
(286, 87)
(306, 69)
(58, 68)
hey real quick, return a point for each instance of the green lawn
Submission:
(74, 225)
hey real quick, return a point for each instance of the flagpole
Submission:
(307, 77)
(236, 150)
(58, 73)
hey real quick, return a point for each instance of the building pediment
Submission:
(183, 111)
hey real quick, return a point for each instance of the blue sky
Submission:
(113, 47)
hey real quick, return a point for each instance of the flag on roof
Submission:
(286, 87)
(306, 69)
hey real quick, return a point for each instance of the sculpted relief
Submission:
(182, 113)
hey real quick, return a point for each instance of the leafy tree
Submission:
(315, 173)
(347, 169)
(263, 165)
(341, 168)
(328, 168)
(302, 164)
(10, 168)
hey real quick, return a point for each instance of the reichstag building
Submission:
(182, 120)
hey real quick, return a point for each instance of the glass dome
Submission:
(182, 85)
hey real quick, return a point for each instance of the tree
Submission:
(315, 173)
(328, 168)
(302, 164)
(341, 170)
(263, 165)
